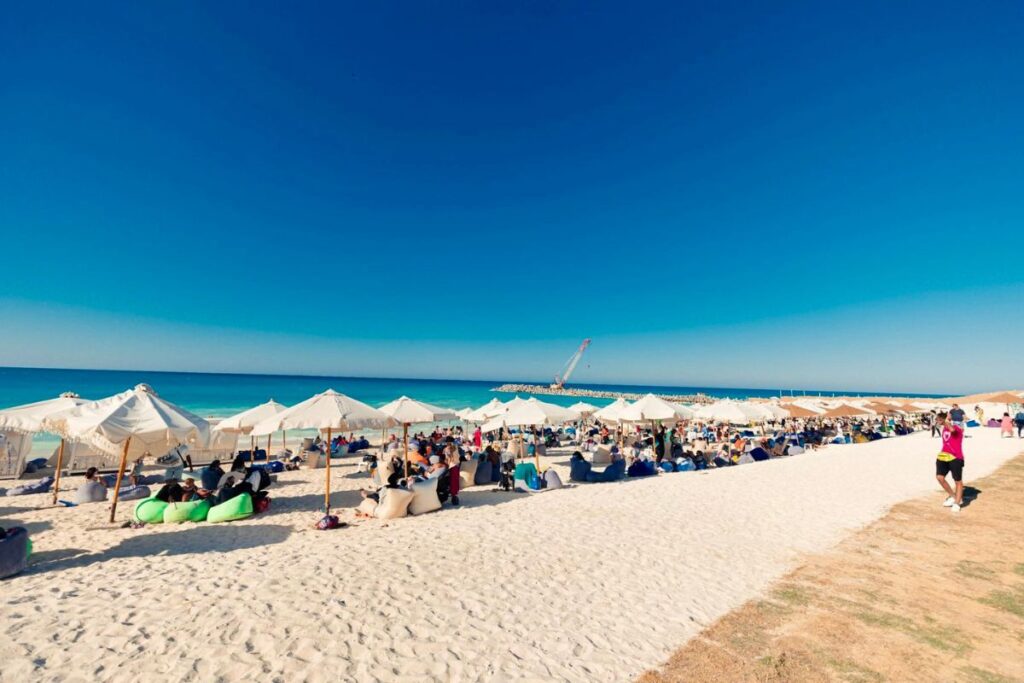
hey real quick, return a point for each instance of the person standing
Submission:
(950, 461)
(1019, 420)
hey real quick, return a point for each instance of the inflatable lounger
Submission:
(15, 549)
(150, 511)
(192, 511)
(41, 486)
(238, 507)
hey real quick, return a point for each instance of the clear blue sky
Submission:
(762, 194)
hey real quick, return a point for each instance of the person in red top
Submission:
(951, 461)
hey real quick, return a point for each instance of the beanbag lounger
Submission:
(424, 498)
(483, 472)
(796, 450)
(41, 486)
(759, 454)
(972, 423)
(15, 549)
(150, 511)
(525, 477)
(579, 469)
(467, 473)
(239, 477)
(192, 511)
(685, 465)
(38, 462)
(276, 466)
(552, 480)
(394, 503)
(614, 472)
(208, 478)
(89, 492)
(642, 468)
(238, 507)
(134, 492)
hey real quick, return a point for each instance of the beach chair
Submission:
(602, 456)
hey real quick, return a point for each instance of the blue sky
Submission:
(757, 194)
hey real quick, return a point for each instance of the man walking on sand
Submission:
(951, 461)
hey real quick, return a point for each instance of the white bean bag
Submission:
(467, 473)
(552, 480)
(424, 497)
(91, 491)
(394, 503)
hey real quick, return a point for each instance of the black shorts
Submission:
(943, 467)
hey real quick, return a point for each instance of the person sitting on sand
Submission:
(211, 474)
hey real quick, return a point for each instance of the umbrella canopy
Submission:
(799, 411)
(531, 413)
(329, 410)
(486, 411)
(584, 409)
(245, 421)
(409, 411)
(139, 419)
(731, 411)
(464, 414)
(612, 411)
(1003, 397)
(774, 409)
(28, 418)
(845, 410)
(650, 408)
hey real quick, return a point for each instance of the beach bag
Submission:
(328, 522)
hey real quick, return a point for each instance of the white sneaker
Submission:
(956, 508)
(949, 502)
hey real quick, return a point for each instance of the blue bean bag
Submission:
(579, 469)
(15, 549)
(614, 472)
(641, 468)
(483, 473)
(274, 466)
(972, 423)
(209, 478)
(134, 492)
(41, 486)
(685, 465)
(759, 454)
(666, 466)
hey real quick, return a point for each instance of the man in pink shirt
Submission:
(951, 461)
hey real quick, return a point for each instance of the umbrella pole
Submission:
(268, 447)
(60, 463)
(284, 439)
(405, 449)
(536, 448)
(327, 487)
(252, 450)
(120, 476)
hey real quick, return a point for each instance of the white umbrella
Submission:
(651, 408)
(408, 411)
(583, 408)
(28, 419)
(326, 412)
(531, 413)
(612, 411)
(730, 411)
(775, 409)
(486, 411)
(245, 421)
(136, 422)
(464, 414)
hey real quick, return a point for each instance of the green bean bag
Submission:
(150, 511)
(238, 507)
(192, 511)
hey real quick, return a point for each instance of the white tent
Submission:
(584, 409)
(26, 420)
(408, 411)
(612, 411)
(135, 422)
(245, 421)
(326, 412)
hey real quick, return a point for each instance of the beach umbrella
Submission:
(464, 414)
(775, 410)
(733, 412)
(134, 423)
(795, 410)
(28, 419)
(1007, 397)
(408, 411)
(326, 412)
(486, 411)
(845, 410)
(649, 408)
(245, 421)
(612, 411)
(584, 409)
(531, 413)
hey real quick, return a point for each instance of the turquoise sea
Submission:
(220, 395)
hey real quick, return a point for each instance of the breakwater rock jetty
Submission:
(596, 393)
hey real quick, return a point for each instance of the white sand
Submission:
(594, 583)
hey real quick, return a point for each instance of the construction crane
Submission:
(561, 379)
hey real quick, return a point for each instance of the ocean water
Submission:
(220, 395)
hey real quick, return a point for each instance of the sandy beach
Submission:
(590, 583)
